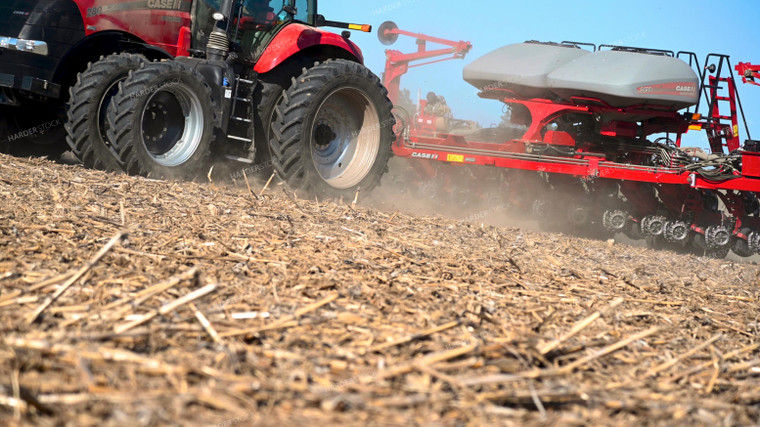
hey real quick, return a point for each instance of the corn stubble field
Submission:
(128, 301)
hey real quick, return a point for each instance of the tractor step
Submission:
(241, 111)
(238, 159)
(239, 138)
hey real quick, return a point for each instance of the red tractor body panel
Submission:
(298, 37)
(76, 32)
(156, 22)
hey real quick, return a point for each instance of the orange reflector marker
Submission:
(696, 117)
(364, 28)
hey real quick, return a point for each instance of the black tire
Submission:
(334, 96)
(27, 131)
(403, 118)
(162, 121)
(87, 107)
(267, 94)
(741, 245)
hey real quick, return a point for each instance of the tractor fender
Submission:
(103, 43)
(296, 38)
(112, 41)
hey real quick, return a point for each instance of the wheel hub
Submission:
(653, 225)
(717, 237)
(163, 123)
(754, 242)
(345, 138)
(614, 220)
(323, 136)
(676, 231)
(172, 125)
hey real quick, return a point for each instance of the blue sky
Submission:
(701, 26)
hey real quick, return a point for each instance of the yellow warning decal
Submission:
(736, 130)
(695, 127)
(459, 158)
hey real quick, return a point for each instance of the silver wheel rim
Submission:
(172, 125)
(345, 138)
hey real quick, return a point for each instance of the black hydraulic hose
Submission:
(710, 176)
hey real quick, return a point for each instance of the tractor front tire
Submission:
(88, 104)
(333, 130)
(162, 121)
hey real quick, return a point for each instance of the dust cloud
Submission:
(480, 195)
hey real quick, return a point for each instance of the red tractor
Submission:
(155, 88)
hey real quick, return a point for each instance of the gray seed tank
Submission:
(618, 78)
(522, 68)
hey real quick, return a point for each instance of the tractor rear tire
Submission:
(162, 121)
(87, 107)
(333, 130)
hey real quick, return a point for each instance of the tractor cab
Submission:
(252, 24)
